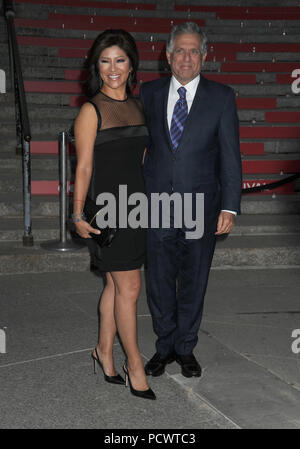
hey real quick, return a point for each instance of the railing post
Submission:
(19, 137)
(63, 186)
(22, 120)
(62, 244)
(10, 12)
(27, 237)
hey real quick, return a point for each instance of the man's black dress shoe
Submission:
(156, 366)
(189, 365)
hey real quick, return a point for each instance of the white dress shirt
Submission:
(191, 88)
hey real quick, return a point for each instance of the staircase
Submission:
(253, 48)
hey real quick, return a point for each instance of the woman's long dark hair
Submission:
(108, 38)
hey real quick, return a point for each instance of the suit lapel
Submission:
(161, 101)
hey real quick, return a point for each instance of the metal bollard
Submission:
(63, 244)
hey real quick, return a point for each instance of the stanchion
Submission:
(63, 244)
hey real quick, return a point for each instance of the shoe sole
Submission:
(190, 375)
(160, 373)
(185, 374)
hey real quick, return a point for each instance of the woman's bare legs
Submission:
(127, 289)
(107, 327)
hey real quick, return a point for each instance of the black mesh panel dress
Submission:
(118, 153)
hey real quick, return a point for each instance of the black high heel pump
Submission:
(118, 380)
(145, 394)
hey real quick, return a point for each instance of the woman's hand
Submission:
(83, 228)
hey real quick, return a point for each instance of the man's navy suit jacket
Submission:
(208, 156)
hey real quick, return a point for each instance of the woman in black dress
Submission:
(111, 138)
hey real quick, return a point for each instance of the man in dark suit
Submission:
(194, 148)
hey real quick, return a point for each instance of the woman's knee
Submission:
(129, 287)
(110, 285)
(131, 290)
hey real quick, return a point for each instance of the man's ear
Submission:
(168, 57)
(204, 58)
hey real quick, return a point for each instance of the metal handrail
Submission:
(22, 118)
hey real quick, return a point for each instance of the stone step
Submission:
(12, 163)
(78, 48)
(31, 50)
(269, 146)
(269, 26)
(49, 131)
(54, 57)
(38, 99)
(245, 101)
(47, 61)
(245, 90)
(258, 251)
(281, 147)
(47, 183)
(218, 32)
(248, 129)
(132, 21)
(14, 258)
(240, 83)
(263, 90)
(261, 205)
(266, 225)
(13, 182)
(46, 127)
(46, 163)
(279, 157)
(232, 252)
(237, 3)
(41, 112)
(261, 56)
(43, 229)
(47, 228)
(11, 205)
(56, 74)
(261, 164)
(41, 11)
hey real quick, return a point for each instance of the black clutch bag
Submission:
(91, 211)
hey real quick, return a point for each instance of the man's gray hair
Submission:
(187, 28)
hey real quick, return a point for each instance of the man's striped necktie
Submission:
(180, 114)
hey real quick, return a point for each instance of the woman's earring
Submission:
(130, 76)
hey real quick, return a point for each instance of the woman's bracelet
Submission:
(76, 218)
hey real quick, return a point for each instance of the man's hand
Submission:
(225, 223)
